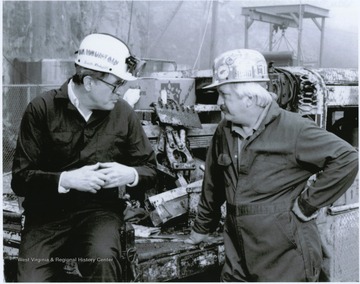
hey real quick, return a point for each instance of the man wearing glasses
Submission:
(77, 146)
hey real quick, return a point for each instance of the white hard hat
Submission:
(106, 53)
(239, 65)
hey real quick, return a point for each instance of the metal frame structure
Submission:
(286, 16)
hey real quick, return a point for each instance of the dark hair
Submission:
(81, 73)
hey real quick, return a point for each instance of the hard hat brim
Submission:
(126, 76)
(213, 85)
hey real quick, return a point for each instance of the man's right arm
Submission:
(26, 173)
(213, 192)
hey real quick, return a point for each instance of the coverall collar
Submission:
(239, 129)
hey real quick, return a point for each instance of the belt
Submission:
(257, 208)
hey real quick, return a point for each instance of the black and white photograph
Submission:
(180, 141)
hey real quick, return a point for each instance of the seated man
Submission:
(77, 146)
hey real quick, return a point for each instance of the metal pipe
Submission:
(335, 210)
(322, 41)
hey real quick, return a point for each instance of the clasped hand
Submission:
(101, 175)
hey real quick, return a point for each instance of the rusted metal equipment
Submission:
(167, 205)
(173, 114)
(165, 261)
(172, 154)
(300, 90)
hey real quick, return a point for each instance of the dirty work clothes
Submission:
(275, 165)
(277, 248)
(54, 137)
(91, 237)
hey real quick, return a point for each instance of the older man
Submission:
(259, 162)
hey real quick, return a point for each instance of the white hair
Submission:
(253, 89)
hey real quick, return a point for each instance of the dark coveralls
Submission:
(53, 138)
(264, 240)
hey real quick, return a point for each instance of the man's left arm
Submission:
(337, 161)
(141, 155)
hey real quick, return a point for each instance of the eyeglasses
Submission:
(115, 87)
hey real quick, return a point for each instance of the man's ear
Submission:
(249, 101)
(88, 83)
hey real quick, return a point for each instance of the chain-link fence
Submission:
(15, 100)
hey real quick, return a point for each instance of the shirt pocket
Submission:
(110, 148)
(224, 160)
(225, 163)
(62, 138)
(61, 148)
